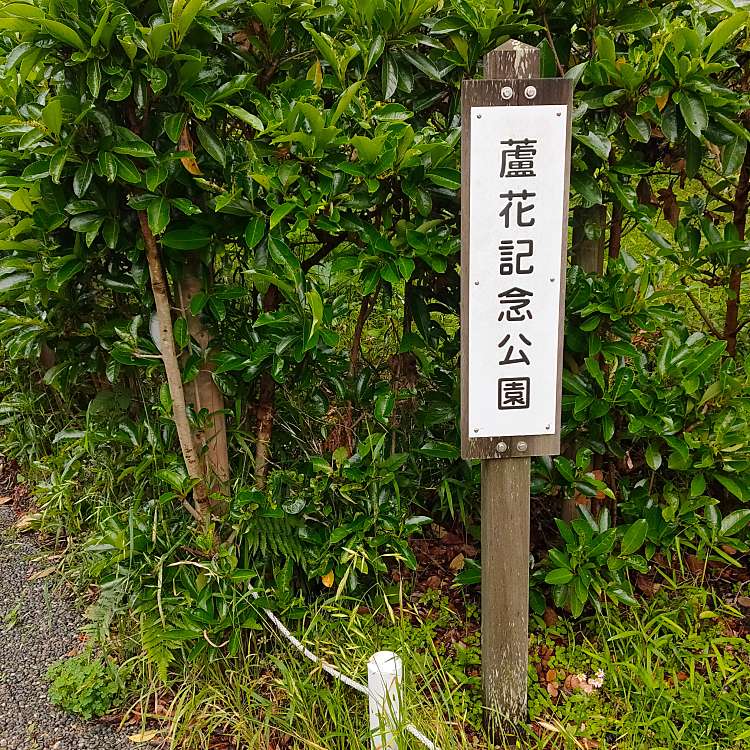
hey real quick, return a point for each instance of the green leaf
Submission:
(724, 31)
(52, 115)
(344, 101)
(559, 576)
(82, 179)
(740, 491)
(62, 32)
(245, 116)
(122, 90)
(94, 78)
(255, 231)
(107, 165)
(634, 537)
(384, 404)
(693, 111)
(69, 269)
(181, 335)
(368, 149)
(14, 281)
(638, 129)
(174, 125)
(186, 239)
(445, 177)
(128, 143)
(600, 146)
(127, 171)
(587, 187)
(211, 144)
(279, 213)
(158, 214)
(735, 522)
(732, 156)
(653, 457)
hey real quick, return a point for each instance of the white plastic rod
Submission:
(384, 677)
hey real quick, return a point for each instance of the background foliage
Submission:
(283, 176)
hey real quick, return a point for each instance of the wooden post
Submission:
(506, 514)
(506, 461)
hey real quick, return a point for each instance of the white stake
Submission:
(384, 677)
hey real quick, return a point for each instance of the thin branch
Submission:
(551, 43)
(719, 197)
(697, 305)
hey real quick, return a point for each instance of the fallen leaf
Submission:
(743, 601)
(328, 579)
(42, 573)
(546, 725)
(26, 522)
(457, 563)
(146, 736)
(186, 144)
(434, 582)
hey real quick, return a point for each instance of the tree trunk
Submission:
(615, 231)
(588, 252)
(203, 392)
(159, 288)
(734, 288)
(265, 412)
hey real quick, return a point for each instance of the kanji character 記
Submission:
(518, 159)
(520, 358)
(511, 260)
(516, 300)
(520, 208)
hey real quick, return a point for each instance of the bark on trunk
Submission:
(739, 218)
(615, 231)
(265, 412)
(202, 392)
(159, 288)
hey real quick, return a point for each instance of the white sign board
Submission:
(517, 201)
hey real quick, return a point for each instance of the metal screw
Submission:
(552, 278)
(476, 429)
(501, 447)
(529, 92)
(479, 117)
(522, 446)
(559, 114)
(476, 283)
(506, 92)
(547, 427)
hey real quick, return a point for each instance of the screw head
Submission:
(476, 429)
(529, 92)
(501, 447)
(522, 446)
(479, 117)
(552, 278)
(476, 283)
(547, 427)
(506, 92)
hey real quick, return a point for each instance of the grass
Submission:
(676, 675)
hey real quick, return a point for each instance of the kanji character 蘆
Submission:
(518, 159)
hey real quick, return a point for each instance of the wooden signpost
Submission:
(515, 164)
